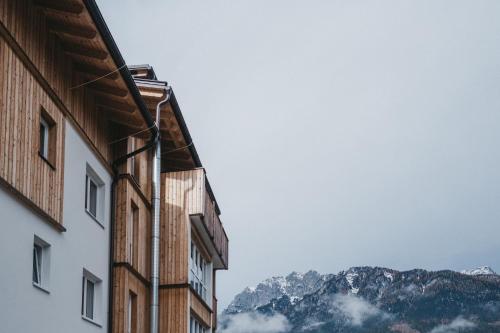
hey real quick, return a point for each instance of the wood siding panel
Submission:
(124, 282)
(200, 310)
(26, 23)
(174, 310)
(125, 195)
(184, 193)
(21, 167)
(174, 231)
(36, 72)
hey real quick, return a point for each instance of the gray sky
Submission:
(335, 133)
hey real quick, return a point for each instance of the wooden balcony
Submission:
(192, 190)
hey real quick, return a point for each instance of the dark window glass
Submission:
(42, 140)
(92, 198)
(37, 263)
(89, 300)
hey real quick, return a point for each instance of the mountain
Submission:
(294, 285)
(369, 299)
(484, 270)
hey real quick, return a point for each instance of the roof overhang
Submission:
(178, 150)
(97, 63)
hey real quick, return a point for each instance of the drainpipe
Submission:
(96, 16)
(155, 221)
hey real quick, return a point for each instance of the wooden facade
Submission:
(45, 58)
(23, 100)
(188, 216)
(55, 63)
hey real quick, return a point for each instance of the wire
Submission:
(97, 79)
(176, 149)
(133, 134)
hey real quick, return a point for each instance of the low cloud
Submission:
(253, 322)
(355, 309)
(459, 324)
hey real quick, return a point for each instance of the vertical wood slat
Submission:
(124, 283)
(22, 99)
(125, 195)
(173, 311)
(183, 194)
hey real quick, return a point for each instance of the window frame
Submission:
(90, 279)
(43, 148)
(41, 262)
(92, 179)
(37, 264)
(135, 169)
(199, 269)
(47, 138)
(132, 312)
(196, 326)
(91, 184)
(133, 240)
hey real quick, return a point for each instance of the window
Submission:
(199, 275)
(89, 298)
(94, 194)
(44, 138)
(37, 264)
(134, 161)
(41, 263)
(196, 327)
(91, 196)
(47, 138)
(134, 233)
(91, 288)
(132, 313)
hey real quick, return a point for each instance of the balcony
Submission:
(199, 202)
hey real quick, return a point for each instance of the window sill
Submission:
(94, 218)
(47, 161)
(91, 321)
(36, 285)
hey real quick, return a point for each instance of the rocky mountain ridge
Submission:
(295, 286)
(375, 299)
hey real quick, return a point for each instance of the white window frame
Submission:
(44, 148)
(41, 264)
(91, 178)
(195, 326)
(130, 312)
(95, 316)
(200, 273)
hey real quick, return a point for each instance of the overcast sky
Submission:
(335, 133)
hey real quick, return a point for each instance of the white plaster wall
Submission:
(25, 308)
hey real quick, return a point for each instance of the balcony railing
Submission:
(201, 205)
(215, 229)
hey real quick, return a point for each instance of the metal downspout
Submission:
(155, 216)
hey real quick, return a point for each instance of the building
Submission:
(77, 141)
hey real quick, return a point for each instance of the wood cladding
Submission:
(132, 245)
(22, 101)
(184, 193)
(176, 189)
(174, 310)
(37, 74)
(27, 24)
(200, 310)
(124, 284)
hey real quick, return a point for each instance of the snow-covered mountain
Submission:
(370, 300)
(484, 270)
(294, 285)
